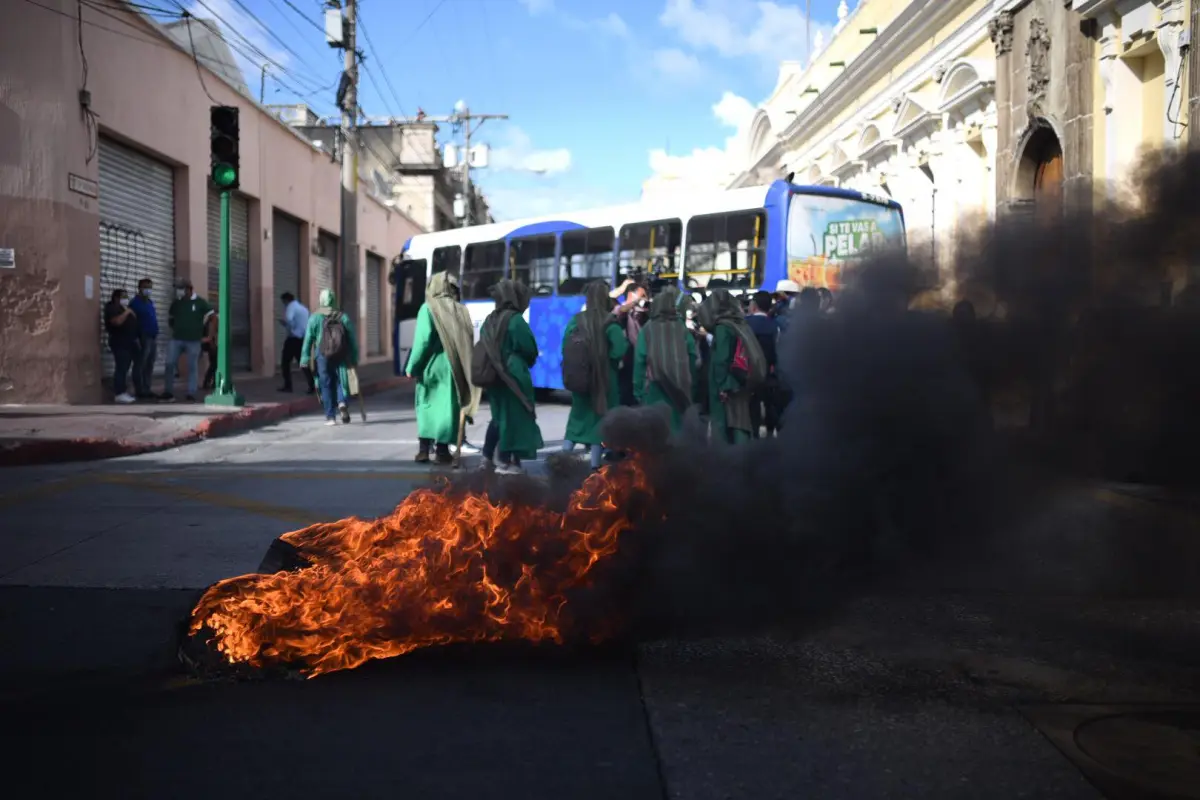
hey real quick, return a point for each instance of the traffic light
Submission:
(224, 147)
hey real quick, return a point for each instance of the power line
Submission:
(249, 44)
(199, 72)
(375, 55)
(303, 16)
(288, 18)
(429, 16)
(269, 32)
(166, 45)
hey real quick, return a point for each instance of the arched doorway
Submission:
(1040, 172)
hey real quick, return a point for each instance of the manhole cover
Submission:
(1128, 751)
(1160, 751)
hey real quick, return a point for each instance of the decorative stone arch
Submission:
(963, 79)
(1038, 176)
(760, 135)
(911, 114)
(869, 137)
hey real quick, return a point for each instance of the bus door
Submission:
(651, 252)
(407, 277)
(532, 260)
(725, 251)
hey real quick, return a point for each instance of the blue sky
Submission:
(593, 89)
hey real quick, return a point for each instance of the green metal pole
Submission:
(223, 392)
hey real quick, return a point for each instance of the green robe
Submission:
(519, 431)
(312, 346)
(721, 380)
(583, 423)
(437, 400)
(649, 393)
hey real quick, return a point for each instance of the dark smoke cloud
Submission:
(899, 456)
(916, 443)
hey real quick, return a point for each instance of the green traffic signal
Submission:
(224, 176)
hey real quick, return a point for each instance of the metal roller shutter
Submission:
(239, 272)
(323, 263)
(137, 234)
(374, 305)
(286, 268)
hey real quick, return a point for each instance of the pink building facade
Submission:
(104, 162)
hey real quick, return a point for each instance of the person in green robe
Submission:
(608, 344)
(728, 395)
(333, 380)
(440, 362)
(513, 350)
(664, 362)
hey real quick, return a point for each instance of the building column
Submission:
(1110, 40)
(989, 135)
(1169, 27)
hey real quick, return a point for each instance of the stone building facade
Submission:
(1044, 106)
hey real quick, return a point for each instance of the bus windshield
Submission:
(824, 234)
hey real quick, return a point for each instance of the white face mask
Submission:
(179, 294)
(124, 301)
(146, 292)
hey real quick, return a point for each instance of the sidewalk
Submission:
(45, 434)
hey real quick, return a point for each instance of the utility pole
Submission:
(262, 85)
(349, 240)
(463, 116)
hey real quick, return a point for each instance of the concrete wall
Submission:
(146, 93)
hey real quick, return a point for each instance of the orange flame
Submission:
(439, 569)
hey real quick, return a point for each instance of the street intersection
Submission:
(939, 688)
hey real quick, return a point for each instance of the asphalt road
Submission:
(941, 688)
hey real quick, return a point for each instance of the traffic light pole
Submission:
(223, 392)
(349, 240)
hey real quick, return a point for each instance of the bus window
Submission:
(650, 247)
(586, 256)
(531, 261)
(725, 250)
(447, 258)
(482, 269)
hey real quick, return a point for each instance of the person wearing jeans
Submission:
(187, 317)
(333, 392)
(333, 379)
(147, 317)
(121, 323)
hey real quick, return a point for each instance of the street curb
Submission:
(61, 451)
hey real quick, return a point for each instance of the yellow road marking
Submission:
(19, 496)
(250, 475)
(220, 499)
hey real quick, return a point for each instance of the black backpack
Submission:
(483, 371)
(577, 362)
(335, 340)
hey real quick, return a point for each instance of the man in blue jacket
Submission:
(147, 317)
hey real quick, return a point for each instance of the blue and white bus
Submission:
(741, 239)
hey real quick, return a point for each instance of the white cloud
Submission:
(538, 6)
(766, 30)
(705, 167)
(734, 111)
(517, 153)
(543, 198)
(673, 63)
(614, 25)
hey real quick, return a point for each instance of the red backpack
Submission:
(740, 366)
